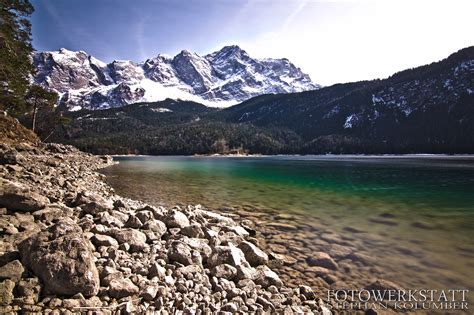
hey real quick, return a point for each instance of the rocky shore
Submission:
(69, 244)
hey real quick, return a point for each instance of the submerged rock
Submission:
(322, 259)
(62, 259)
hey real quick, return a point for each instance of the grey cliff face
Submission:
(222, 78)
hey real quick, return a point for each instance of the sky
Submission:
(334, 41)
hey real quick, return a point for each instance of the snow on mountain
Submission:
(220, 79)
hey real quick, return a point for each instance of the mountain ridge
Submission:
(222, 78)
(428, 109)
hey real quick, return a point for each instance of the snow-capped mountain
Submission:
(223, 78)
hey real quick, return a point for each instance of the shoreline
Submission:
(336, 156)
(134, 257)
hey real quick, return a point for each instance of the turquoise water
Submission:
(423, 203)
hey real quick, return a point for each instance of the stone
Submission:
(135, 238)
(193, 231)
(230, 307)
(224, 271)
(48, 214)
(176, 219)
(157, 226)
(254, 255)
(240, 231)
(244, 272)
(307, 292)
(30, 289)
(322, 259)
(363, 258)
(267, 277)
(181, 253)
(109, 220)
(144, 215)
(381, 284)
(9, 256)
(104, 240)
(6, 292)
(186, 270)
(12, 158)
(119, 288)
(134, 222)
(227, 255)
(93, 204)
(282, 226)
(14, 197)
(282, 259)
(337, 251)
(62, 259)
(156, 270)
(13, 271)
(71, 304)
(149, 293)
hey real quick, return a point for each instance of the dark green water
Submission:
(423, 203)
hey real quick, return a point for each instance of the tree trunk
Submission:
(35, 111)
(33, 123)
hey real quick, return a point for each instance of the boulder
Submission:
(93, 204)
(144, 215)
(134, 222)
(307, 292)
(176, 219)
(224, 271)
(227, 255)
(119, 288)
(238, 230)
(17, 198)
(181, 253)
(109, 220)
(134, 238)
(322, 259)
(149, 292)
(267, 277)
(48, 214)
(62, 259)
(104, 240)
(156, 270)
(13, 271)
(193, 231)
(254, 255)
(156, 226)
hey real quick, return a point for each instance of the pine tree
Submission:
(39, 100)
(15, 51)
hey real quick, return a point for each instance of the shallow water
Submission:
(413, 215)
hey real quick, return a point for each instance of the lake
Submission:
(409, 219)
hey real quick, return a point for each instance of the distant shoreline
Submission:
(388, 156)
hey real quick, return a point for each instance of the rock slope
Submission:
(222, 78)
(70, 244)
